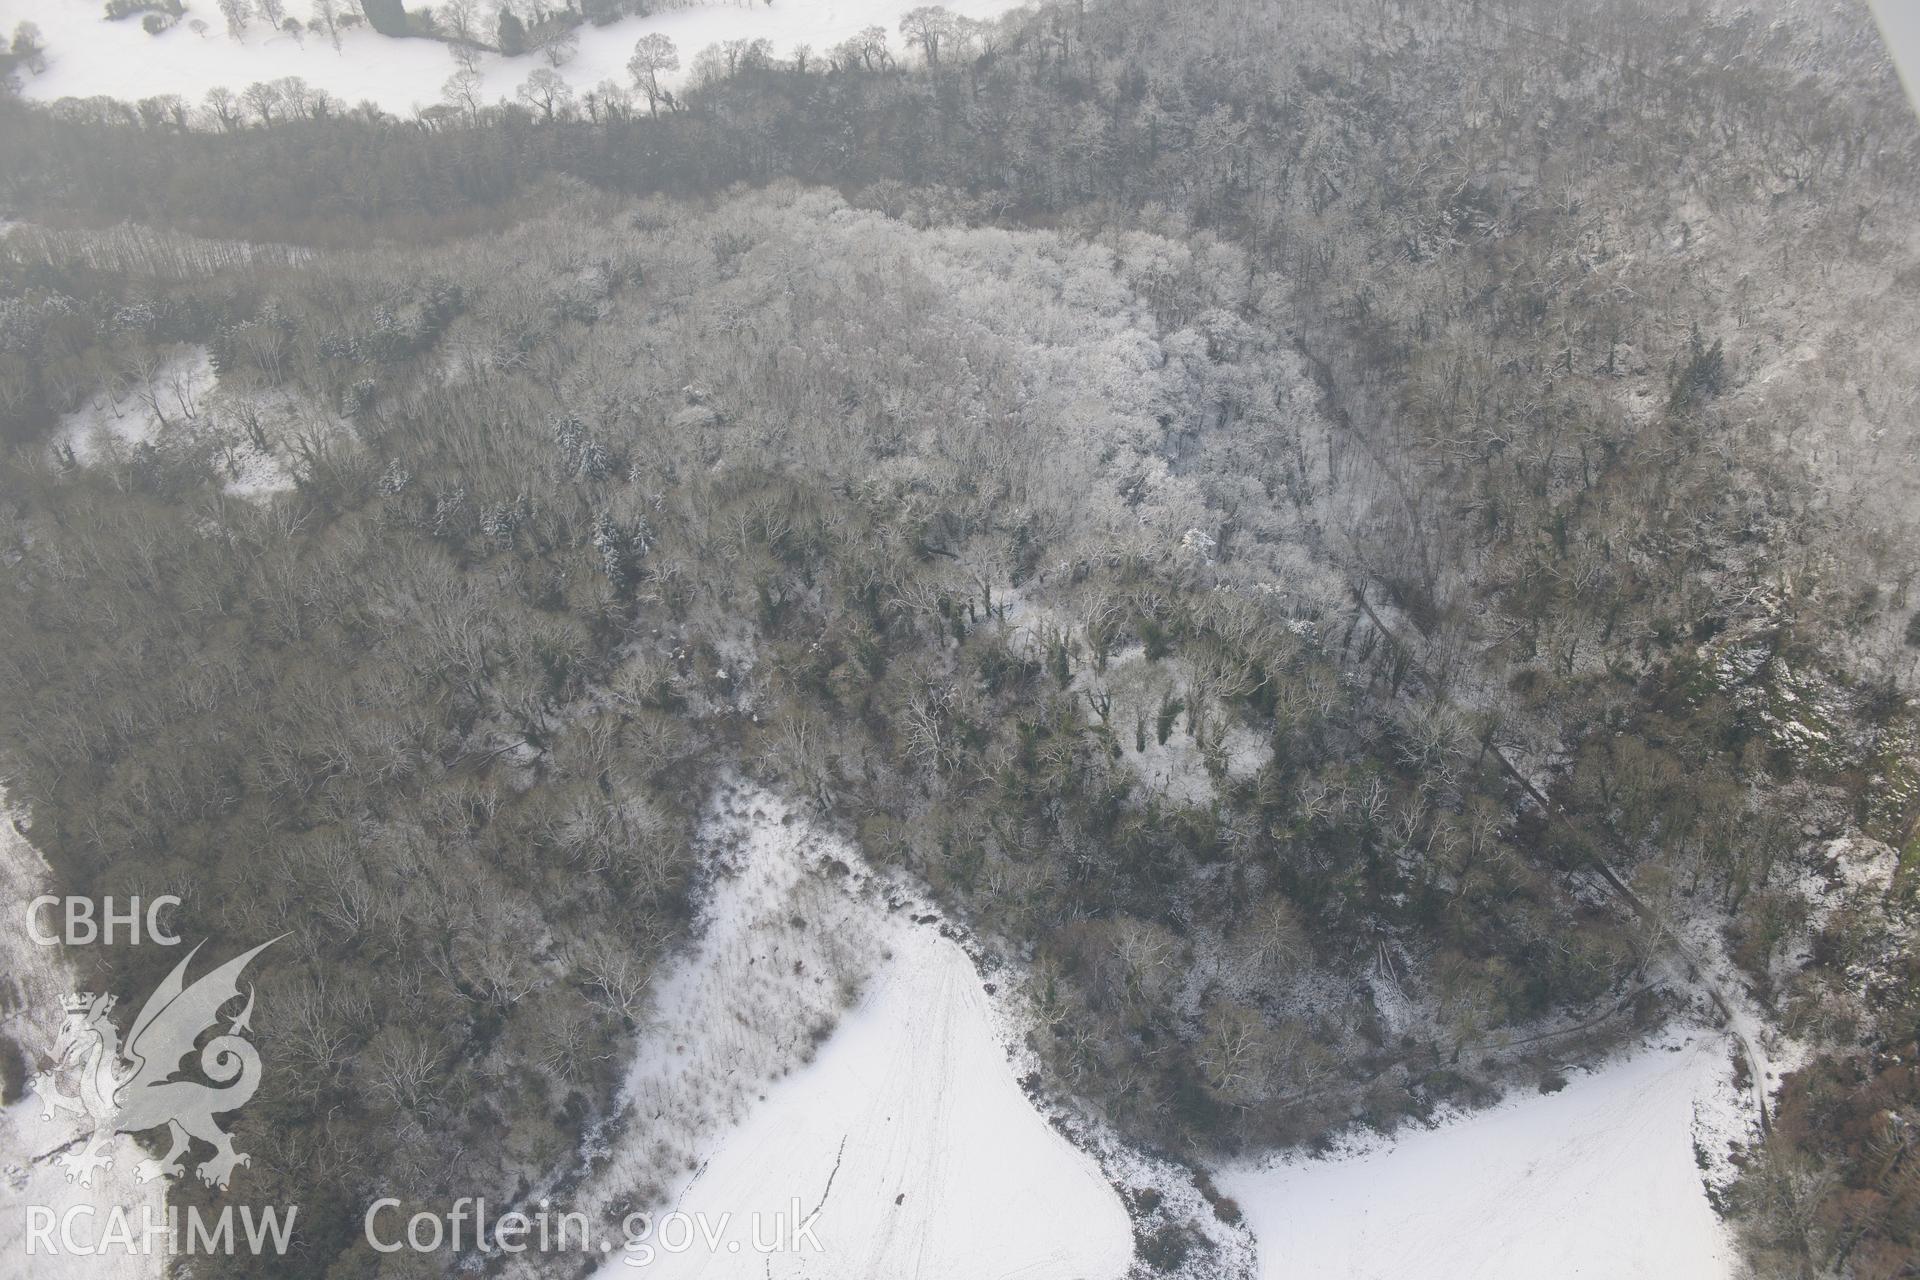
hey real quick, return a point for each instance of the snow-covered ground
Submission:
(251, 438)
(32, 980)
(905, 1139)
(137, 410)
(910, 1138)
(1133, 692)
(87, 55)
(1599, 1180)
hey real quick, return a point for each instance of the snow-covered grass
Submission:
(87, 55)
(904, 1126)
(911, 1138)
(1598, 1179)
(779, 954)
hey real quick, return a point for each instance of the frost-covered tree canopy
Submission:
(1356, 559)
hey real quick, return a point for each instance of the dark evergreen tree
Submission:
(513, 34)
(388, 17)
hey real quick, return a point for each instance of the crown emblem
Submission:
(130, 1089)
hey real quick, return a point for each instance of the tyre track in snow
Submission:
(906, 1132)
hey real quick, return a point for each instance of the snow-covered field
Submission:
(911, 1140)
(905, 1140)
(908, 1144)
(87, 55)
(1597, 1180)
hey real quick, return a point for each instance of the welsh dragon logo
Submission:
(134, 1089)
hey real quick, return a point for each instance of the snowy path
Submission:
(1596, 1180)
(1703, 962)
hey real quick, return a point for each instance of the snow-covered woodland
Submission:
(1211, 639)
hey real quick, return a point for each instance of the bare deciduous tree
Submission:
(546, 92)
(653, 54)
